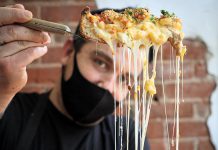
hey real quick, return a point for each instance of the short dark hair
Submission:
(79, 41)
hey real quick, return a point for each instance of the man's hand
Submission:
(19, 46)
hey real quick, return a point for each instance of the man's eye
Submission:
(100, 63)
(124, 79)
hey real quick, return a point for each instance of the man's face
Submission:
(95, 62)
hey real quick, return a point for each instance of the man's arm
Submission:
(19, 46)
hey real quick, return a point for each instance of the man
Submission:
(77, 112)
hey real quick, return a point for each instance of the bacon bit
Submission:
(141, 47)
(112, 52)
(111, 31)
(119, 45)
(101, 19)
(129, 87)
(106, 18)
(141, 17)
(90, 19)
(124, 21)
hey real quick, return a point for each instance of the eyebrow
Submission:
(104, 55)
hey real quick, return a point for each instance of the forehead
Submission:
(123, 55)
(95, 46)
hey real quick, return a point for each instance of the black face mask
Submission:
(84, 101)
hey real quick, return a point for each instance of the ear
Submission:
(68, 46)
(69, 66)
(68, 58)
(67, 50)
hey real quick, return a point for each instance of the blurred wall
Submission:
(198, 83)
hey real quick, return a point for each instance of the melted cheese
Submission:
(122, 28)
(135, 29)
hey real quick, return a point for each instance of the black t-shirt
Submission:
(55, 131)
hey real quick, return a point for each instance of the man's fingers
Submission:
(25, 57)
(12, 15)
(15, 47)
(20, 6)
(11, 33)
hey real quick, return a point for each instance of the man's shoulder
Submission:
(24, 102)
(26, 98)
(16, 116)
(21, 105)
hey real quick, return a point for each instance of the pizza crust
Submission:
(85, 25)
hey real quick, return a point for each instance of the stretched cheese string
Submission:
(174, 70)
(182, 81)
(119, 95)
(145, 126)
(164, 98)
(122, 67)
(151, 86)
(144, 100)
(124, 83)
(141, 94)
(135, 57)
(115, 111)
(139, 100)
(174, 122)
(175, 103)
(182, 54)
(120, 106)
(174, 118)
(129, 98)
(170, 62)
(177, 100)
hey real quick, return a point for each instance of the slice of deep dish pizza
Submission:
(133, 28)
(138, 29)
